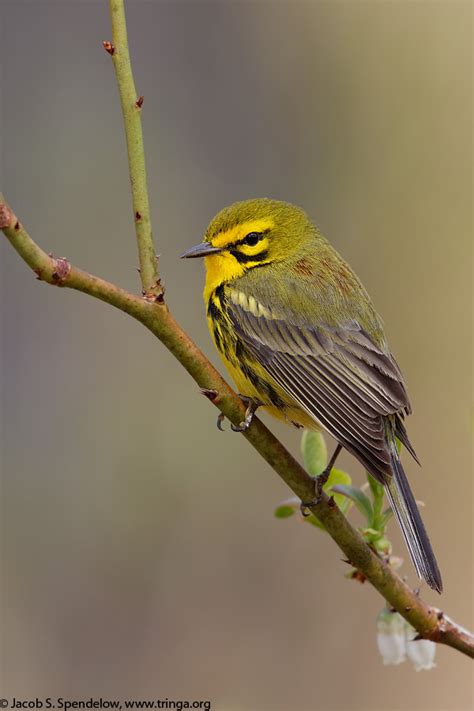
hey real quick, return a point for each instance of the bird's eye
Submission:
(252, 239)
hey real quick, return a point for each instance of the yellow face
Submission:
(251, 234)
(243, 247)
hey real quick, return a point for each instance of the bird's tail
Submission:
(404, 506)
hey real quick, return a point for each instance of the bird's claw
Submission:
(241, 427)
(318, 485)
(319, 482)
(252, 406)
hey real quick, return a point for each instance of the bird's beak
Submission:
(200, 250)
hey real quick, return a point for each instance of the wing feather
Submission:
(340, 377)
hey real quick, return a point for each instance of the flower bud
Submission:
(382, 545)
(391, 637)
(421, 652)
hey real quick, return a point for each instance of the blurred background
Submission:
(140, 555)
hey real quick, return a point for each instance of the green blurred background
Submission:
(140, 554)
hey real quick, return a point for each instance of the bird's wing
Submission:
(337, 375)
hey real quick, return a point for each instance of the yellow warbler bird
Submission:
(299, 335)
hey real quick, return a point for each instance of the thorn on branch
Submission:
(109, 47)
(358, 577)
(211, 395)
(139, 102)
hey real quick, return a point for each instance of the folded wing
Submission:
(339, 376)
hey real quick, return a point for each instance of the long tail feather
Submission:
(404, 506)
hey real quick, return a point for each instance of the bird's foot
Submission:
(252, 407)
(319, 482)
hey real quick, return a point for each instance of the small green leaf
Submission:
(359, 498)
(314, 451)
(370, 534)
(287, 508)
(284, 512)
(338, 478)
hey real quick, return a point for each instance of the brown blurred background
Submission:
(140, 553)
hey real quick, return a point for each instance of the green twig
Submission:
(131, 109)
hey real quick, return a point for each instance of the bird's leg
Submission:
(252, 407)
(320, 480)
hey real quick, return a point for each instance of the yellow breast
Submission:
(251, 379)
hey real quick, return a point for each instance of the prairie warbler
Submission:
(299, 335)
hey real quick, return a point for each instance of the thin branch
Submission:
(131, 109)
(429, 622)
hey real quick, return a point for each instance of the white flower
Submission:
(421, 652)
(391, 636)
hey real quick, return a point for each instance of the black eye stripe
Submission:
(242, 258)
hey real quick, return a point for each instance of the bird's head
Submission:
(250, 234)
